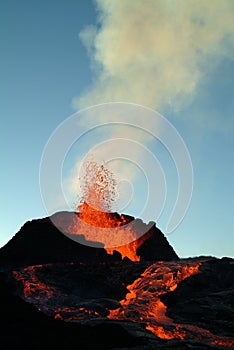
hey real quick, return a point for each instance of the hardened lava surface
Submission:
(149, 295)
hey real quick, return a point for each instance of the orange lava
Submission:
(162, 278)
(31, 284)
(95, 220)
(111, 229)
(143, 304)
(99, 191)
(47, 298)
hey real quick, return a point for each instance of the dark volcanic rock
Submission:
(64, 288)
(24, 327)
(206, 299)
(40, 242)
(156, 247)
(82, 284)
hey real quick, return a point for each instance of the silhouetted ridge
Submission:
(156, 247)
(39, 241)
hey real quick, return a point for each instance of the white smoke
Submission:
(155, 52)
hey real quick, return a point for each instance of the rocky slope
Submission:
(40, 241)
(57, 292)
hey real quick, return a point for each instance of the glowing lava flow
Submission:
(44, 287)
(47, 298)
(143, 304)
(34, 290)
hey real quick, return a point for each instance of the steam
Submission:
(155, 52)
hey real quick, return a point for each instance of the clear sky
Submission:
(175, 57)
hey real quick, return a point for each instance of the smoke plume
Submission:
(155, 52)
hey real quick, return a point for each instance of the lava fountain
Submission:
(95, 219)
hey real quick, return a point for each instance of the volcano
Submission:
(96, 279)
(40, 241)
(59, 289)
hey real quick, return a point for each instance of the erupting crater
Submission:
(87, 285)
(95, 219)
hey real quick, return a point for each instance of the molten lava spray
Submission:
(98, 186)
(99, 192)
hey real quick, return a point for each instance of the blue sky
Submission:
(48, 73)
